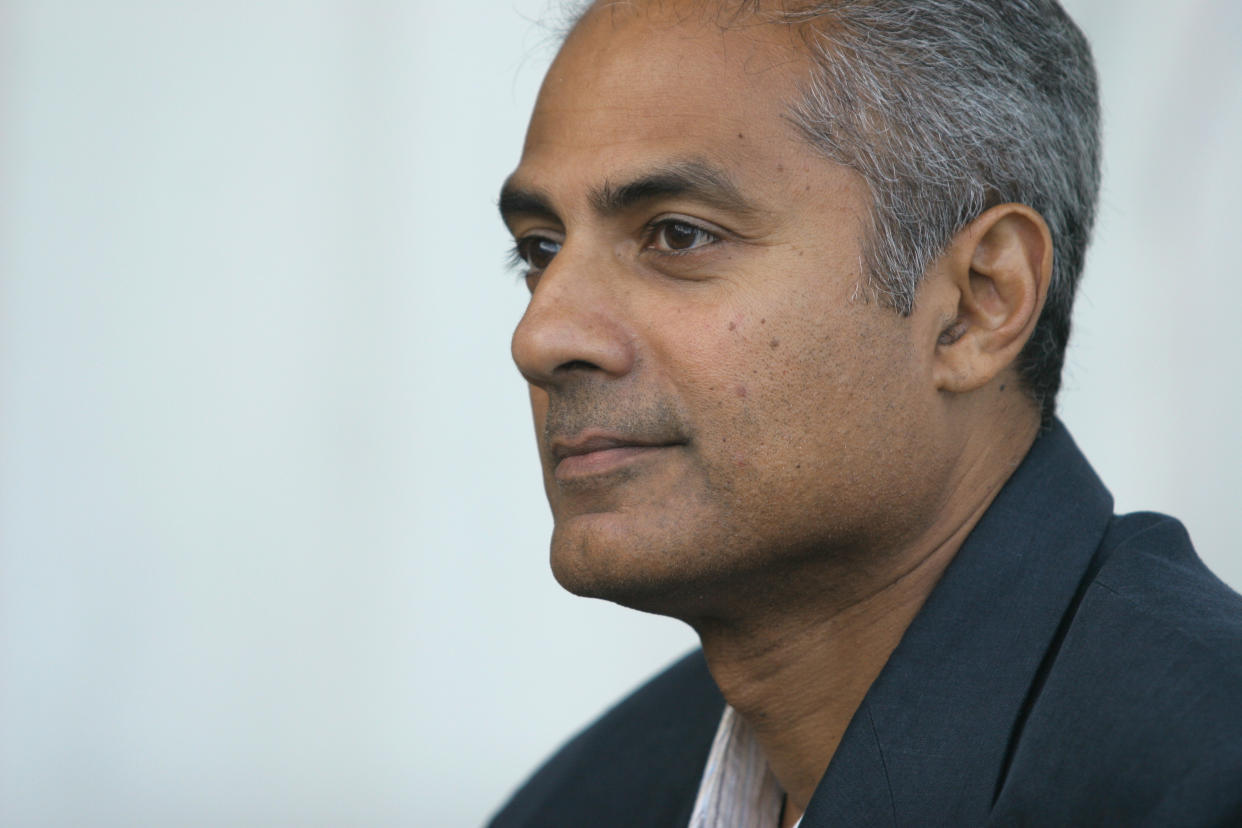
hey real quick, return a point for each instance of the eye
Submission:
(676, 236)
(537, 252)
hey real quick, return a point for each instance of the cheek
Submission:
(772, 381)
(794, 397)
(742, 378)
(719, 367)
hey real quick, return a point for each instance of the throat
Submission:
(796, 677)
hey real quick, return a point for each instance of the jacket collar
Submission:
(929, 742)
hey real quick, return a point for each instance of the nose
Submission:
(574, 323)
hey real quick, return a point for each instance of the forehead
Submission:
(639, 85)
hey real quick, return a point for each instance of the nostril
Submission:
(578, 365)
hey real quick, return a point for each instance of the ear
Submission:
(994, 276)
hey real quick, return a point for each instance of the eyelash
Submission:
(654, 228)
(516, 261)
(513, 259)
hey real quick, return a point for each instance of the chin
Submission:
(590, 572)
(664, 579)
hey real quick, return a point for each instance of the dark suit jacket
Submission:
(1071, 668)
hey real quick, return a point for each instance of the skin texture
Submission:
(730, 433)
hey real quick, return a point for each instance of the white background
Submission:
(272, 537)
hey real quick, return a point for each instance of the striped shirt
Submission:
(738, 789)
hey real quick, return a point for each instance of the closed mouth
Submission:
(594, 455)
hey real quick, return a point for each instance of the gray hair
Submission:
(947, 108)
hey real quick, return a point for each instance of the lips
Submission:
(598, 454)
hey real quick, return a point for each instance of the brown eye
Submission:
(537, 251)
(679, 236)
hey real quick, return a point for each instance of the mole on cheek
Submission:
(733, 326)
(775, 343)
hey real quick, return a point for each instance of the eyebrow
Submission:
(516, 201)
(696, 180)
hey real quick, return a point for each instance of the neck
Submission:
(797, 670)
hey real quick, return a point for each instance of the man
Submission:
(801, 276)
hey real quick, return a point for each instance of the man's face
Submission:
(713, 399)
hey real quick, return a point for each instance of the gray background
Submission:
(272, 537)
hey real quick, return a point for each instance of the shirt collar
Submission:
(738, 787)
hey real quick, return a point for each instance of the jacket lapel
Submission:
(928, 744)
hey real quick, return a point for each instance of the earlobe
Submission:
(999, 265)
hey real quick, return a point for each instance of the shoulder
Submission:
(1153, 610)
(638, 764)
(1139, 704)
(1151, 569)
